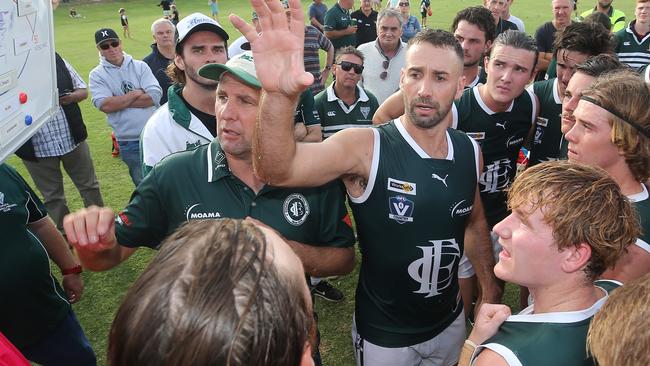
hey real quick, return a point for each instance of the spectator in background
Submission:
(425, 10)
(344, 103)
(599, 18)
(505, 14)
(127, 92)
(162, 53)
(496, 8)
(545, 34)
(339, 27)
(633, 42)
(257, 298)
(187, 120)
(410, 23)
(314, 42)
(35, 311)
(616, 17)
(166, 8)
(317, 12)
(124, 20)
(175, 16)
(63, 140)
(214, 9)
(384, 57)
(366, 23)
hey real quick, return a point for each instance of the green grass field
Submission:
(75, 42)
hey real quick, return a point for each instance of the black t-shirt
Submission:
(505, 25)
(366, 26)
(544, 37)
(208, 120)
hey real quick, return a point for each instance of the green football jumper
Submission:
(548, 125)
(338, 18)
(336, 116)
(557, 339)
(641, 202)
(411, 224)
(500, 135)
(33, 303)
(632, 51)
(198, 184)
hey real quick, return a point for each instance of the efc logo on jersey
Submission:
(295, 209)
(401, 209)
(434, 271)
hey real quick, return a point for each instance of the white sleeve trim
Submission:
(534, 106)
(374, 167)
(476, 159)
(501, 350)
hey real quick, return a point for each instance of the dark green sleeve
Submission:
(35, 208)
(310, 115)
(144, 221)
(335, 224)
(374, 104)
(331, 21)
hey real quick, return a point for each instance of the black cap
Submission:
(105, 34)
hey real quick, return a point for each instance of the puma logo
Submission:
(443, 180)
(502, 125)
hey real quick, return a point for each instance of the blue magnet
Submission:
(28, 120)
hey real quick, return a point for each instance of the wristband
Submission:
(470, 344)
(74, 270)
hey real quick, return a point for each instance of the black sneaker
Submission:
(328, 292)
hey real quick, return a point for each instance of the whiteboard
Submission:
(28, 95)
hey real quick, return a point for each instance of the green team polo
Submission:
(500, 135)
(557, 339)
(411, 223)
(632, 51)
(197, 184)
(338, 18)
(33, 304)
(548, 125)
(337, 116)
(641, 202)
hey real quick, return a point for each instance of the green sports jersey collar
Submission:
(217, 162)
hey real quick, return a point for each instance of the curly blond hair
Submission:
(583, 205)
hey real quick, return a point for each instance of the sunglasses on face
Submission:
(347, 66)
(403, 4)
(107, 45)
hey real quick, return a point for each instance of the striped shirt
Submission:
(633, 50)
(314, 41)
(54, 137)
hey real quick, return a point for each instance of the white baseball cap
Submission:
(198, 22)
(241, 66)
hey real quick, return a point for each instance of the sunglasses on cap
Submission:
(106, 45)
(347, 66)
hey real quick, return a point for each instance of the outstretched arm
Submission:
(278, 55)
(391, 108)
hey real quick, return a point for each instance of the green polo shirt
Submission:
(338, 18)
(32, 302)
(198, 184)
(337, 116)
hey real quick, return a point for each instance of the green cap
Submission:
(241, 66)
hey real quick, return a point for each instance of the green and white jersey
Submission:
(641, 202)
(198, 184)
(645, 71)
(500, 135)
(481, 78)
(305, 111)
(557, 339)
(33, 304)
(337, 116)
(411, 224)
(548, 124)
(631, 50)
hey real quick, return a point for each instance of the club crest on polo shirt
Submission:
(365, 111)
(400, 209)
(295, 209)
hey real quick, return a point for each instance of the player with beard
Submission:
(398, 177)
(187, 120)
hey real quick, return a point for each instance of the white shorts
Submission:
(465, 268)
(441, 350)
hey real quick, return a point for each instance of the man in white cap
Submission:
(187, 120)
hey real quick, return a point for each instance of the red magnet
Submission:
(22, 97)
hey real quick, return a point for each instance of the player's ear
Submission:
(307, 359)
(461, 87)
(576, 257)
